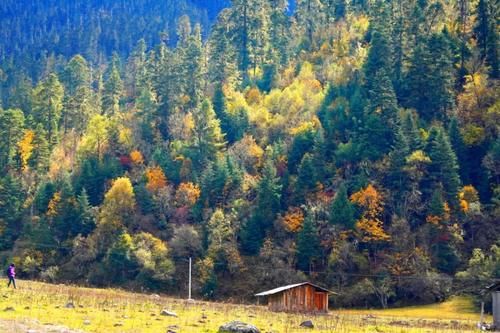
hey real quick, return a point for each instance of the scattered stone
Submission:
(399, 323)
(69, 305)
(204, 316)
(307, 324)
(238, 327)
(86, 322)
(26, 308)
(201, 321)
(155, 296)
(31, 331)
(171, 331)
(9, 308)
(173, 327)
(168, 313)
(118, 324)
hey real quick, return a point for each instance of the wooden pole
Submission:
(481, 320)
(189, 296)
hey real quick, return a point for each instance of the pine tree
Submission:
(409, 126)
(444, 167)
(442, 78)
(342, 210)
(39, 159)
(382, 105)
(11, 199)
(208, 138)
(11, 131)
(268, 203)
(306, 180)
(279, 37)
(86, 219)
(220, 109)
(47, 105)
(308, 246)
(397, 179)
(309, 17)
(222, 58)
(113, 90)
(303, 142)
(137, 72)
(183, 30)
(486, 33)
(430, 78)
(458, 145)
(193, 67)
(77, 100)
(482, 26)
(249, 21)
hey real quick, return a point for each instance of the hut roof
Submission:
(291, 286)
(494, 287)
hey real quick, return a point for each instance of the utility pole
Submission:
(189, 292)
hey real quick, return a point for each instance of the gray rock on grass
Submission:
(307, 324)
(238, 327)
(168, 313)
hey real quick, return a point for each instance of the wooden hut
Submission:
(300, 297)
(494, 289)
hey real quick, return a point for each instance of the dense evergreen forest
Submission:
(350, 143)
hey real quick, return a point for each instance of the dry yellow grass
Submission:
(109, 310)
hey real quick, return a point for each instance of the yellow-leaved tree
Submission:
(119, 204)
(26, 148)
(369, 225)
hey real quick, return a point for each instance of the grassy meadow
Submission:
(109, 310)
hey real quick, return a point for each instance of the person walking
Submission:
(11, 273)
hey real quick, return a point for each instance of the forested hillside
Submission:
(37, 36)
(350, 143)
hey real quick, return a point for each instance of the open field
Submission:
(44, 308)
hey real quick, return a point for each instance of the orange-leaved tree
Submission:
(369, 225)
(156, 179)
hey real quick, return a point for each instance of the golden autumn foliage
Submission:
(468, 196)
(253, 96)
(293, 219)
(156, 179)
(119, 203)
(437, 219)
(187, 194)
(136, 157)
(405, 263)
(26, 148)
(433, 219)
(53, 203)
(369, 225)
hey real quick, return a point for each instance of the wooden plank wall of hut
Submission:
(300, 299)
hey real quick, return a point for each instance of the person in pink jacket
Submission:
(11, 273)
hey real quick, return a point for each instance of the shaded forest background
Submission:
(350, 143)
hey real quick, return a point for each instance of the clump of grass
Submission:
(111, 310)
